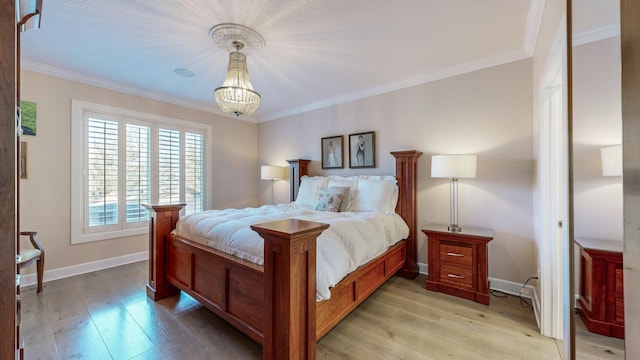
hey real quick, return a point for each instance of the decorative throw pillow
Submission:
(329, 199)
(351, 183)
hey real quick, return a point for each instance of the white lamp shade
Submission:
(611, 157)
(453, 166)
(271, 172)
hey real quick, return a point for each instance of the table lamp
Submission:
(273, 173)
(453, 167)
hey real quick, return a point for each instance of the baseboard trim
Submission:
(512, 288)
(67, 271)
(507, 287)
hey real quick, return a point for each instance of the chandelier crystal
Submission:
(236, 95)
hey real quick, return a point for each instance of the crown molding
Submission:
(532, 27)
(112, 85)
(398, 85)
(600, 33)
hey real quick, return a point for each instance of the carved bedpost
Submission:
(297, 169)
(290, 288)
(161, 222)
(406, 175)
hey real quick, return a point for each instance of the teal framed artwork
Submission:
(28, 114)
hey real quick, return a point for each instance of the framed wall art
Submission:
(332, 152)
(362, 151)
(23, 160)
(29, 116)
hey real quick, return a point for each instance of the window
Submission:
(102, 167)
(122, 160)
(138, 172)
(193, 170)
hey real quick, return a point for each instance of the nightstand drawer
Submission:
(456, 276)
(457, 262)
(456, 254)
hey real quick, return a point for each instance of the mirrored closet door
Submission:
(597, 180)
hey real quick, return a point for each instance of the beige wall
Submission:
(597, 122)
(486, 112)
(46, 194)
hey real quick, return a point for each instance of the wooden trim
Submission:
(8, 176)
(407, 178)
(297, 169)
(290, 288)
(161, 222)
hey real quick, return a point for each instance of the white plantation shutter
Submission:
(121, 160)
(138, 172)
(194, 172)
(102, 172)
(169, 166)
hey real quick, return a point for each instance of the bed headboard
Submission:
(297, 169)
(406, 176)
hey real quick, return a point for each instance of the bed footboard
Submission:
(290, 288)
(163, 219)
(286, 320)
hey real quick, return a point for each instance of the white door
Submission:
(554, 194)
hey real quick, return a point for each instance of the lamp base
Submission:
(454, 228)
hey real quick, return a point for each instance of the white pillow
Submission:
(350, 182)
(377, 194)
(308, 190)
(392, 178)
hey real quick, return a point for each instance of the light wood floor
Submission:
(590, 346)
(106, 315)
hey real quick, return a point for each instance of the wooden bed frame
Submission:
(275, 304)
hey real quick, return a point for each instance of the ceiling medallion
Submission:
(236, 95)
(224, 36)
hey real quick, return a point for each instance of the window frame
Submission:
(80, 231)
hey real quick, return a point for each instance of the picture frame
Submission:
(362, 150)
(28, 117)
(332, 152)
(23, 160)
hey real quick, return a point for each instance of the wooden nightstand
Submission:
(601, 302)
(458, 262)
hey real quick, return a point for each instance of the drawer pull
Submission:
(455, 276)
(454, 254)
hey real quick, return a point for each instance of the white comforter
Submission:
(352, 239)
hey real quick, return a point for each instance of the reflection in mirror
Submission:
(598, 218)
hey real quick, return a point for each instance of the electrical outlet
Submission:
(538, 273)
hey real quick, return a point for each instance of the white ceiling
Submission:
(318, 52)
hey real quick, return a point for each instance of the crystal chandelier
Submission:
(236, 95)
